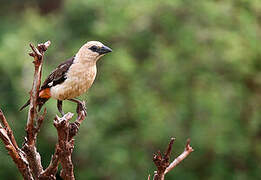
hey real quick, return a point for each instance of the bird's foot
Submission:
(81, 107)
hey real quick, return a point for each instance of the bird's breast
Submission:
(79, 79)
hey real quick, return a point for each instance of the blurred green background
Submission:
(180, 68)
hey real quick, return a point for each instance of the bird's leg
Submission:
(60, 107)
(80, 106)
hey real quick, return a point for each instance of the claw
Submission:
(80, 106)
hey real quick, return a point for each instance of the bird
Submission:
(73, 77)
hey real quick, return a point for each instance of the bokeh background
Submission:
(179, 68)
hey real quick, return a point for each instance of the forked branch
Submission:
(162, 162)
(34, 119)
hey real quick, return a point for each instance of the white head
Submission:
(92, 51)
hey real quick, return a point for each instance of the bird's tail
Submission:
(40, 103)
(26, 104)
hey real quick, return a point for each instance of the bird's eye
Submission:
(94, 48)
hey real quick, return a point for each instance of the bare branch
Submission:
(162, 163)
(8, 129)
(66, 131)
(35, 52)
(187, 151)
(28, 160)
(16, 154)
(34, 121)
(38, 54)
(168, 150)
(66, 146)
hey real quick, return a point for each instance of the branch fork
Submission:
(162, 161)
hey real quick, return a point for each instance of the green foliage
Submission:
(179, 68)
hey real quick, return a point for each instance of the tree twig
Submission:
(162, 162)
(187, 151)
(8, 129)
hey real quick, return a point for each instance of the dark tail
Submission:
(40, 103)
(26, 104)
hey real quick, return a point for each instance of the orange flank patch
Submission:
(45, 93)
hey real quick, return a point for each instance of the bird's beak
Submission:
(104, 50)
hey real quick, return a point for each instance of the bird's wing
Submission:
(58, 76)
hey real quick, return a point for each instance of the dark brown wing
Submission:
(58, 76)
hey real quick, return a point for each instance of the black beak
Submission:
(104, 50)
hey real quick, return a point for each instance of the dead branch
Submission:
(162, 162)
(16, 154)
(38, 55)
(187, 151)
(8, 129)
(66, 131)
(34, 120)
(66, 145)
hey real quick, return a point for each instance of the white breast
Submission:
(80, 77)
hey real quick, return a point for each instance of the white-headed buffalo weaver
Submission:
(73, 77)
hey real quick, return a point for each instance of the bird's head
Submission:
(92, 51)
